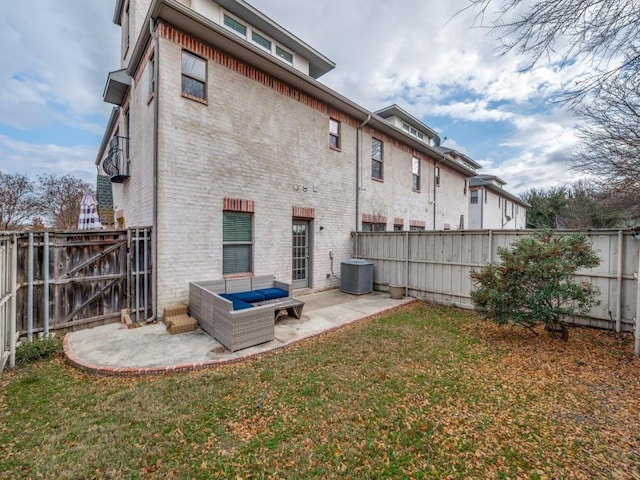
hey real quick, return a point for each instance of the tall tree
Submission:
(605, 33)
(61, 198)
(578, 206)
(610, 136)
(18, 202)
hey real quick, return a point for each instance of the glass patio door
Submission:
(300, 258)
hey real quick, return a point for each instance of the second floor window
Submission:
(376, 159)
(194, 76)
(437, 176)
(474, 196)
(416, 174)
(334, 133)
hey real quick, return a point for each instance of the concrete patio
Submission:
(150, 350)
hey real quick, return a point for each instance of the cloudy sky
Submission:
(56, 54)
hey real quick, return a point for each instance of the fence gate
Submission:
(72, 280)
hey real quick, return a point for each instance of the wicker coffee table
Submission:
(292, 306)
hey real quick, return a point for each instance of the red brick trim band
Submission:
(303, 212)
(238, 205)
(373, 218)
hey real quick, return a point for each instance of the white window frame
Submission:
(280, 51)
(436, 175)
(232, 26)
(254, 34)
(415, 174)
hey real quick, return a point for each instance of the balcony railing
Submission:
(116, 164)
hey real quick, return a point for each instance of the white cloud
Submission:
(36, 159)
(420, 54)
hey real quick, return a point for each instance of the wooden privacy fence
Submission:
(436, 266)
(60, 281)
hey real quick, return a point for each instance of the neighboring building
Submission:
(493, 208)
(224, 142)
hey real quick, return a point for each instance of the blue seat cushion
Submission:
(273, 293)
(250, 297)
(237, 303)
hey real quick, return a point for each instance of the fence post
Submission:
(45, 286)
(406, 263)
(13, 276)
(619, 282)
(30, 288)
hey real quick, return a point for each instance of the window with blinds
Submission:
(237, 242)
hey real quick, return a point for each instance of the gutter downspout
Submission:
(154, 221)
(358, 163)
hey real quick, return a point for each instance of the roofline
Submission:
(177, 14)
(111, 123)
(503, 193)
(395, 108)
(485, 176)
(466, 157)
(321, 63)
(117, 13)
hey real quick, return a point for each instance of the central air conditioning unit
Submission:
(356, 276)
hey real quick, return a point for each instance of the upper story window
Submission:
(284, 55)
(194, 76)
(416, 174)
(261, 41)
(376, 158)
(474, 196)
(235, 26)
(334, 134)
(412, 131)
(464, 189)
(126, 133)
(437, 176)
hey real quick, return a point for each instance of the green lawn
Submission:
(423, 392)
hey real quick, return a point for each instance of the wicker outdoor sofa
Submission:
(238, 312)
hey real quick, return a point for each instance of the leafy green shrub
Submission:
(38, 349)
(533, 282)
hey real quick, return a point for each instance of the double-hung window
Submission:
(437, 176)
(376, 159)
(474, 196)
(416, 174)
(194, 75)
(334, 134)
(237, 242)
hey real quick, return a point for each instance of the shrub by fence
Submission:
(436, 266)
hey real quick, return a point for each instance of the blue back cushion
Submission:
(273, 293)
(237, 303)
(249, 297)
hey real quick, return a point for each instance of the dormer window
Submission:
(261, 41)
(235, 26)
(413, 131)
(284, 55)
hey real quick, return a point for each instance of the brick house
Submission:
(224, 141)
